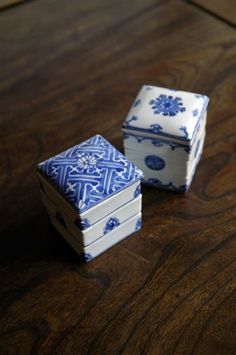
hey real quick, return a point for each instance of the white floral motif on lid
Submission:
(87, 161)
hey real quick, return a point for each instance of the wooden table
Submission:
(69, 70)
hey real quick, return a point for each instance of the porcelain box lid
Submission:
(166, 113)
(89, 173)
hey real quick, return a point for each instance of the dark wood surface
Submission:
(70, 70)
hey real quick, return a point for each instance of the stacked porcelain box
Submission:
(164, 134)
(92, 194)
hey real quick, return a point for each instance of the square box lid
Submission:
(90, 172)
(159, 111)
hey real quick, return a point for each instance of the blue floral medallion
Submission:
(154, 162)
(167, 105)
(111, 224)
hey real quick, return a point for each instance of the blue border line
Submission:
(158, 142)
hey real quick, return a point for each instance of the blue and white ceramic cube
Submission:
(164, 134)
(92, 194)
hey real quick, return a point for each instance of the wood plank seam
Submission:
(8, 5)
(211, 13)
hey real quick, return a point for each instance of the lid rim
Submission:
(55, 170)
(187, 137)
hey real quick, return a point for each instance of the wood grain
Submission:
(224, 9)
(7, 3)
(71, 71)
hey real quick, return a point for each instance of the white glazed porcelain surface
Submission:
(97, 230)
(164, 148)
(95, 213)
(166, 173)
(160, 112)
(88, 253)
(180, 157)
(171, 164)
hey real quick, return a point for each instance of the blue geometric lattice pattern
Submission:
(90, 172)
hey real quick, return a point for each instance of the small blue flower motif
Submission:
(157, 143)
(195, 112)
(156, 128)
(169, 186)
(111, 224)
(138, 224)
(153, 181)
(139, 139)
(87, 161)
(184, 130)
(126, 124)
(137, 191)
(84, 224)
(167, 105)
(136, 102)
(85, 257)
(187, 150)
(126, 135)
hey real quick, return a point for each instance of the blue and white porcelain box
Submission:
(92, 194)
(164, 134)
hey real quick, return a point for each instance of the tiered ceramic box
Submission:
(164, 134)
(92, 194)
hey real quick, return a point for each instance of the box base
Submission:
(102, 244)
(89, 235)
(168, 178)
